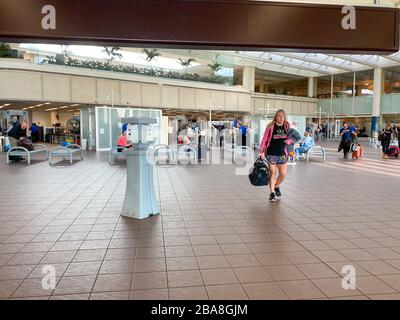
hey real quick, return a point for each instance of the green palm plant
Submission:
(186, 63)
(113, 53)
(5, 51)
(215, 67)
(151, 54)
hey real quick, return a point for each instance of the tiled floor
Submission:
(217, 236)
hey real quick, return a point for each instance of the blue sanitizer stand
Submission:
(140, 196)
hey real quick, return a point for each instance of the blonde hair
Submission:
(286, 124)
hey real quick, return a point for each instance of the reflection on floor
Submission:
(217, 237)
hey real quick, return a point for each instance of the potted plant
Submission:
(112, 53)
(186, 63)
(5, 51)
(151, 54)
(215, 67)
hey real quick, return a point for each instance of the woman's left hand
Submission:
(288, 142)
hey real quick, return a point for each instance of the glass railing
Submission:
(344, 106)
(390, 103)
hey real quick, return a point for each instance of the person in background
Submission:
(190, 133)
(386, 137)
(35, 133)
(398, 134)
(243, 131)
(18, 132)
(346, 133)
(123, 142)
(124, 127)
(306, 143)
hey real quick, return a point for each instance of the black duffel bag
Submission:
(259, 174)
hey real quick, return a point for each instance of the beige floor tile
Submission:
(149, 280)
(243, 260)
(119, 295)
(149, 265)
(219, 276)
(76, 284)
(212, 262)
(301, 290)
(286, 272)
(188, 293)
(252, 274)
(272, 259)
(332, 287)
(112, 282)
(189, 278)
(264, 291)
(370, 285)
(227, 292)
(317, 271)
(7, 287)
(153, 294)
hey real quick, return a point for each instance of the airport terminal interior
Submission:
(134, 182)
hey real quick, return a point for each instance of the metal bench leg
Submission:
(8, 158)
(29, 158)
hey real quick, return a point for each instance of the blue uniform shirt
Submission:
(347, 133)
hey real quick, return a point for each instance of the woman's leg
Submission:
(272, 178)
(282, 169)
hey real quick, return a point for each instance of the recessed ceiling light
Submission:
(74, 105)
(24, 109)
(1, 107)
(6, 105)
(31, 107)
(39, 105)
(47, 103)
(64, 107)
(52, 109)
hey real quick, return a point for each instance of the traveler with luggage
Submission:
(347, 134)
(386, 136)
(274, 148)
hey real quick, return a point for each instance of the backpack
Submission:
(26, 143)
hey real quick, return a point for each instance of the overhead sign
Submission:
(207, 24)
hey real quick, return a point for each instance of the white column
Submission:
(249, 78)
(310, 87)
(376, 106)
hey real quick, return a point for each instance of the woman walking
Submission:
(274, 147)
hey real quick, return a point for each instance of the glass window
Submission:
(365, 83)
(391, 80)
(324, 87)
(280, 83)
(343, 85)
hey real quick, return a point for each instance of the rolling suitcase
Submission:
(358, 153)
(393, 152)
